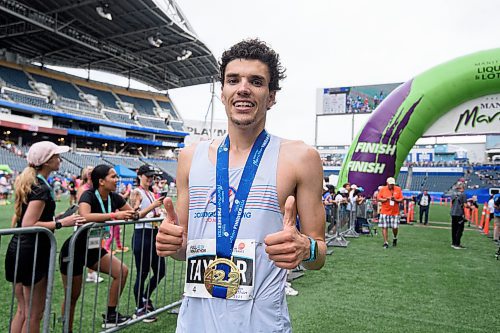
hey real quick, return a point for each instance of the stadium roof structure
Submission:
(147, 40)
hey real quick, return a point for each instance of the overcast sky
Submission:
(334, 43)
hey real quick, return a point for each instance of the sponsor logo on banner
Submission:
(474, 117)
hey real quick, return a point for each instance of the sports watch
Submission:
(58, 224)
(313, 250)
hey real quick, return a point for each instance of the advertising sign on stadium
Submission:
(200, 130)
(357, 99)
(478, 116)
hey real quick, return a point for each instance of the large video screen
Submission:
(357, 99)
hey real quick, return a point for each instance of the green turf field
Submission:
(422, 285)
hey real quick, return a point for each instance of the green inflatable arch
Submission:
(382, 146)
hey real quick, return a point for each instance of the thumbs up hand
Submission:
(170, 235)
(287, 248)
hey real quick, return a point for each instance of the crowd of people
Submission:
(350, 205)
(98, 200)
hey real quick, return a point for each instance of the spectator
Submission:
(72, 190)
(458, 203)
(496, 230)
(424, 202)
(144, 242)
(100, 204)
(390, 196)
(86, 184)
(34, 206)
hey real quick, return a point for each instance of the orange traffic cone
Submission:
(486, 229)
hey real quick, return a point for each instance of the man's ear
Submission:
(222, 97)
(272, 99)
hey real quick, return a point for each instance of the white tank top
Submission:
(267, 311)
(147, 199)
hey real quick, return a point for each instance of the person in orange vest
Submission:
(390, 196)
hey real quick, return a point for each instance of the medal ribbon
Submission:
(98, 195)
(47, 183)
(228, 221)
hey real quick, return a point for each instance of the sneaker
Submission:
(114, 320)
(289, 291)
(121, 249)
(461, 247)
(143, 312)
(395, 242)
(386, 246)
(94, 278)
(456, 247)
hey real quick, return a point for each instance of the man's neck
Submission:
(242, 139)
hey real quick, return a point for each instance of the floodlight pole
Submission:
(212, 103)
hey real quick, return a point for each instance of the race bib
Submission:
(94, 239)
(201, 252)
(391, 202)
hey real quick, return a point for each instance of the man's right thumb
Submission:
(169, 207)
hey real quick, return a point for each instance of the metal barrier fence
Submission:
(344, 215)
(167, 294)
(50, 276)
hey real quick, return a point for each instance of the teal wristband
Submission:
(313, 250)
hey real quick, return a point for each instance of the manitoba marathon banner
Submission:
(466, 87)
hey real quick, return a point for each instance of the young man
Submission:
(239, 284)
(424, 202)
(390, 196)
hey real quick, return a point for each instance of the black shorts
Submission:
(25, 273)
(81, 252)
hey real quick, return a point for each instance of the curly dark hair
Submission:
(255, 49)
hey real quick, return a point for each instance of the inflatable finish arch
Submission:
(382, 146)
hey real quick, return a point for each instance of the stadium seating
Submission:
(177, 126)
(105, 97)
(119, 117)
(167, 106)
(15, 162)
(168, 166)
(143, 106)
(79, 108)
(83, 160)
(61, 88)
(433, 182)
(14, 77)
(153, 123)
(132, 163)
(38, 101)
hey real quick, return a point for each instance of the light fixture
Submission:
(184, 55)
(155, 41)
(103, 11)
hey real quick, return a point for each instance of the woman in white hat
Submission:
(34, 206)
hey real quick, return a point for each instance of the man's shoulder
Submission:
(384, 188)
(297, 149)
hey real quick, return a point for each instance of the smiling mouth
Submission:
(245, 104)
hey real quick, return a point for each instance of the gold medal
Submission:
(216, 277)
